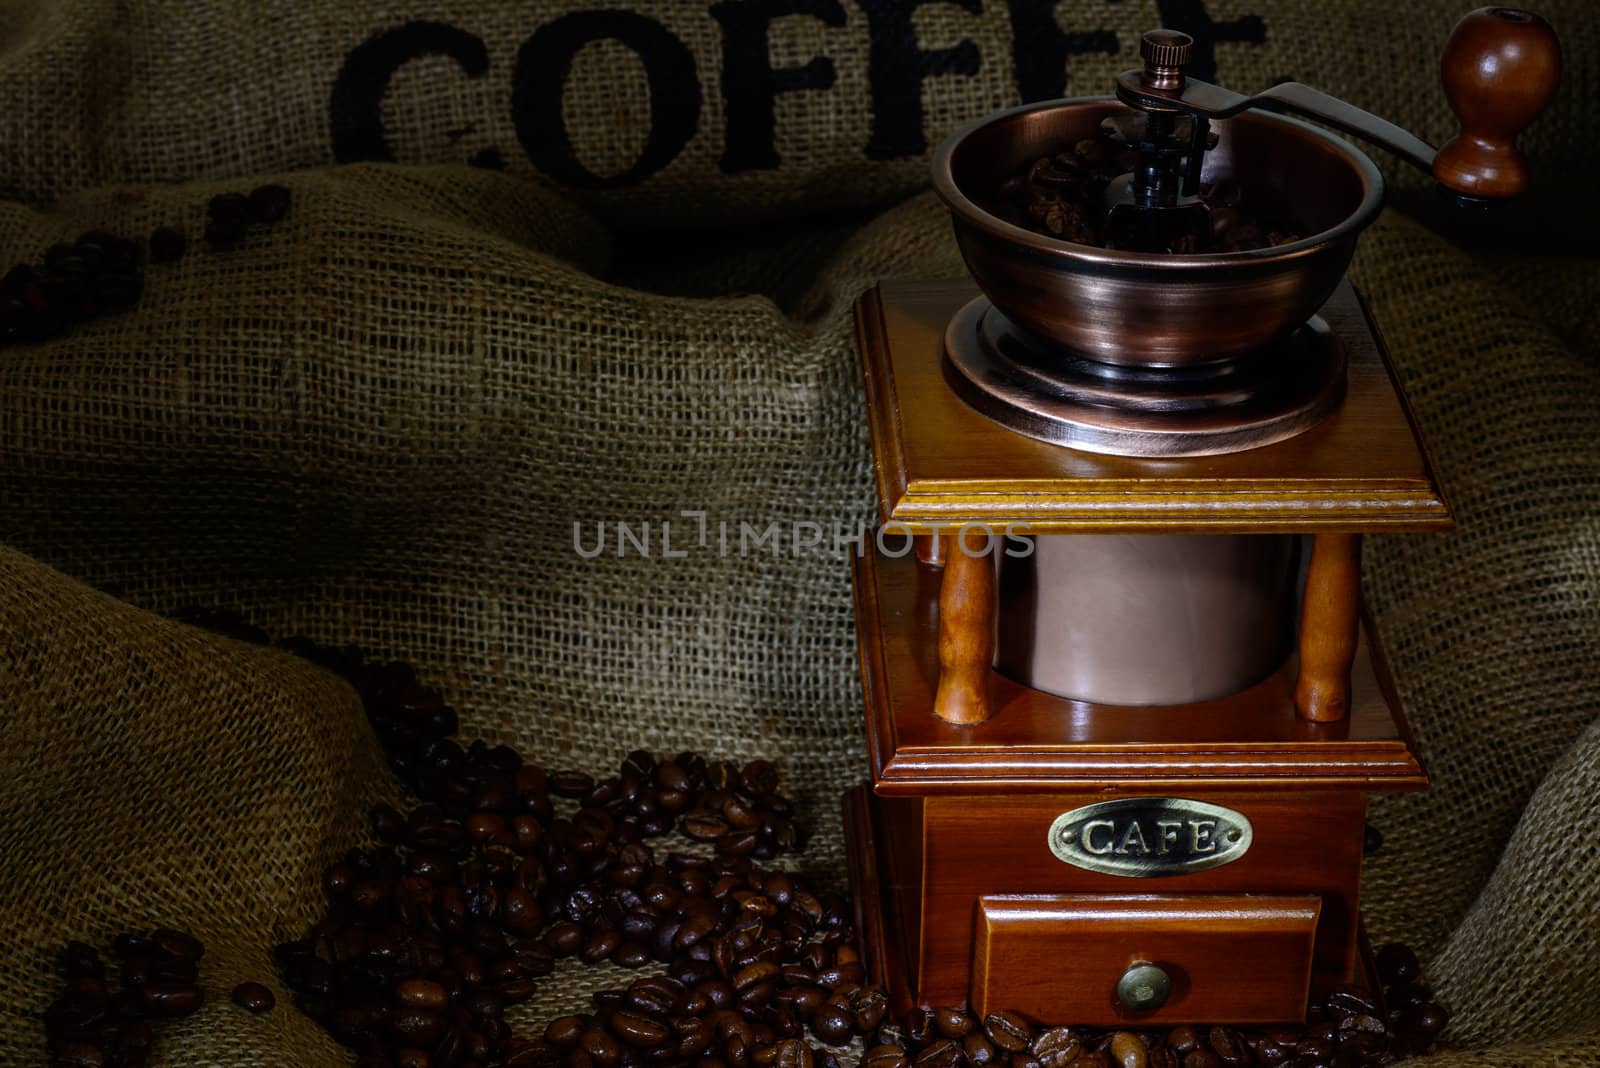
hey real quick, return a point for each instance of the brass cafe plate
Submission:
(1146, 837)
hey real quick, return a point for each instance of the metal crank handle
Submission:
(1499, 68)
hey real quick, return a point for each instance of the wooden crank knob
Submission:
(1499, 69)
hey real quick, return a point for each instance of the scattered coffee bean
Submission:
(977, 1051)
(80, 959)
(1007, 1031)
(96, 275)
(638, 1030)
(89, 1025)
(78, 1054)
(421, 994)
(942, 1053)
(833, 1024)
(1057, 1047)
(885, 1056)
(269, 203)
(228, 208)
(1406, 995)
(1127, 1051)
(64, 259)
(230, 216)
(1423, 1021)
(571, 784)
(254, 997)
(793, 1053)
(951, 1022)
(1397, 964)
(171, 999)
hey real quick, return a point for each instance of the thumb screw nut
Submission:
(1165, 48)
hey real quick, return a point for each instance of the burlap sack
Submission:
(378, 424)
(668, 113)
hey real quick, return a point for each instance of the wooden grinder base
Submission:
(966, 890)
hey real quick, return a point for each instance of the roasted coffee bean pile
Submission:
(89, 1025)
(474, 894)
(1064, 196)
(470, 898)
(101, 274)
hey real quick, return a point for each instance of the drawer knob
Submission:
(1144, 987)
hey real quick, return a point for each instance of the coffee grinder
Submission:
(1123, 708)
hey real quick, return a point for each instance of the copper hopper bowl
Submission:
(1156, 309)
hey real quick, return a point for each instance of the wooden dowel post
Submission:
(1329, 620)
(966, 629)
(930, 549)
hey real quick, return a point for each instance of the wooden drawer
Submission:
(1305, 845)
(1238, 957)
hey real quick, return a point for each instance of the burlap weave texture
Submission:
(379, 422)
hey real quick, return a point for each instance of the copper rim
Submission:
(1280, 394)
(970, 212)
